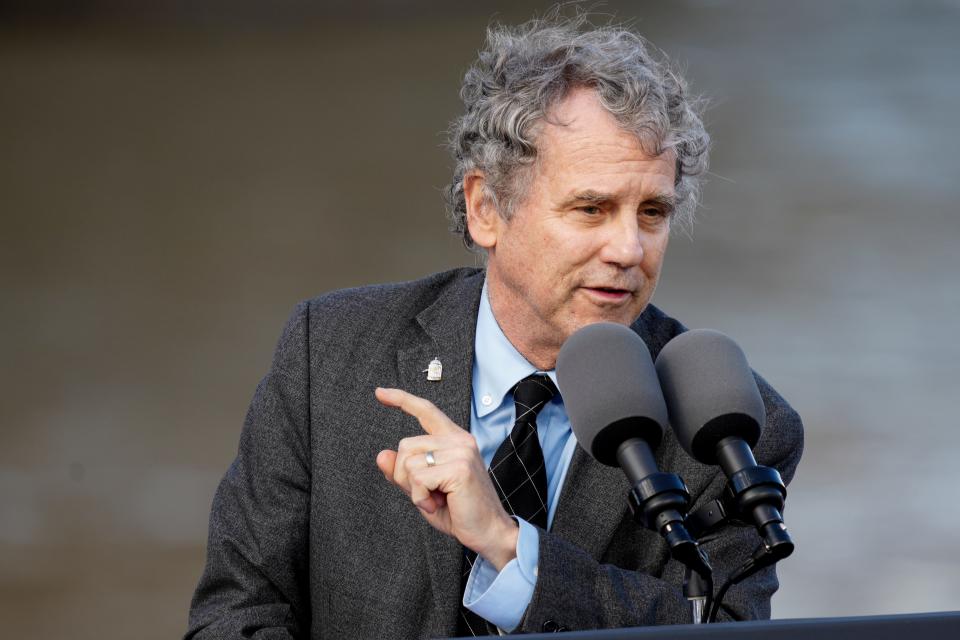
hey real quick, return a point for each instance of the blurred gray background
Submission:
(175, 176)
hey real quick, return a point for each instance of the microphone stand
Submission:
(754, 493)
(659, 502)
(698, 590)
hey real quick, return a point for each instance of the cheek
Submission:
(653, 256)
(570, 248)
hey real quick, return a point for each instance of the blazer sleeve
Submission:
(575, 591)
(255, 583)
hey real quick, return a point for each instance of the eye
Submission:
(590, 209)
(654, 212)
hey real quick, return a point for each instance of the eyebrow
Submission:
(591, 196)
(665, 200)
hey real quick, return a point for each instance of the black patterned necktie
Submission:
(518, 471)
(519, 475)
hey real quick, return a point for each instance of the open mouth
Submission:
(610, 290)
(609, 293)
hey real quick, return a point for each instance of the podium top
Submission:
(914, 626)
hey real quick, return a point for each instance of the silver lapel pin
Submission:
(434, 371)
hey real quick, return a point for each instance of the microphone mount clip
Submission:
(659, 502)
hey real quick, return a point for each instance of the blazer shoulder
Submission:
(397, 300)
(342, 315)
(781, 444)
(782, 440)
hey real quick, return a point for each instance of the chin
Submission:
(594, 318)
(620, 316)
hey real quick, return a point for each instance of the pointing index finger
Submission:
(433, 420)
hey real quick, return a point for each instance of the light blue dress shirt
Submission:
(502, 598)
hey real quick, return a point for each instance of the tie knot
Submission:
(531, 394)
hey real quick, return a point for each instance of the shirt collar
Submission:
(497, 365)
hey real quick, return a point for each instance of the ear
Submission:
(483, 219)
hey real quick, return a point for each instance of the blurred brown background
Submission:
(175, 176)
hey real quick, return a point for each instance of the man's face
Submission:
(587, 243)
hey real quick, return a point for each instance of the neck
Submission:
(528, 337)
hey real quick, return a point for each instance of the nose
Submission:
(623, 245)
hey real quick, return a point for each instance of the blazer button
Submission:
(551, 626)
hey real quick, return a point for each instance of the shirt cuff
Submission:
(502, 598)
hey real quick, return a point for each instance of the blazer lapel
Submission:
(449, 328)
(592, 504)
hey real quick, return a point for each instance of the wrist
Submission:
(503, 546)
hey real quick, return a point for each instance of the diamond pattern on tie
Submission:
(517, 469)
(519, 476)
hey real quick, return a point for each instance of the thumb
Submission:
(387, 462)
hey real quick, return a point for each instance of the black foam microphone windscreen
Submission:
(710, 391)
(610, 389)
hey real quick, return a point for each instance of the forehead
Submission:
(580, 137)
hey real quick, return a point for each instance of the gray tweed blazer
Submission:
(307, 539)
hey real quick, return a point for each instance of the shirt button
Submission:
(486, 401)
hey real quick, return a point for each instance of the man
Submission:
(576, 155)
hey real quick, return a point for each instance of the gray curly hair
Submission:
(526, 70)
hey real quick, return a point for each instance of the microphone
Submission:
(612, 395)
(717, 414)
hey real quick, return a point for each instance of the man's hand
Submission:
(455, 495)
